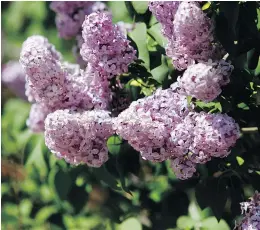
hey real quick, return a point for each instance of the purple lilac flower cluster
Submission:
(64, 90)
(70, 15)
(192, 46)
(13, 77)
(53, 84)
(251, 210)
(146, 124)
(162, 126)
(204, 80)
(189, 31)
(105, 47)
(193, 37)
(79, 137)
(69, 19)
(164, 13)
(57, 84)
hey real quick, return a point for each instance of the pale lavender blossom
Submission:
(164, 13)
(202, 136)
(204, 80)
(147, 123)
(37, 116)
(79, 137)
(45, 76)
(60, 85)
(183, 168)
(105, 47)
(183, 135)
(193, 37)
(13, 77)
(251, 211)
(70, 15)
(214, 134)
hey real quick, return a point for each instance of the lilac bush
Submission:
(159, 115)
(162, 126)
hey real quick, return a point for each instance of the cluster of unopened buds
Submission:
(73, 105)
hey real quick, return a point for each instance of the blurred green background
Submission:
(41, 192)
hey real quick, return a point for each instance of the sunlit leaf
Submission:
(140, 6)
(130, 224)
(211, 223)
(139, 37)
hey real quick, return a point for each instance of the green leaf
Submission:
(114, 144)
(252, 58)
(30, 146)
(185, 222)
(122, 177)
(25, 207)
(206, 6)
(140, 6)
(158, 187)
(36, 157)
(160, 73)
(119, 15)
(211, 223)
(257, 70)
(155, 32)
(60, 182)
(45, 213)
(138, 35)
(213, 194)
(130, 224)
(194, 211)
(104, 175)
(240, 160)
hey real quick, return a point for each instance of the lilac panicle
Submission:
(60, 85)
(41, 63)
(215, 134)
(105, 47)
(147, 123)
(202, 136)
(193, 37)
(164, 13)
(204, 80)
(183, 168)
(79, 137)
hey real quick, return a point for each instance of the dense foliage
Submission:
(166, 106)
